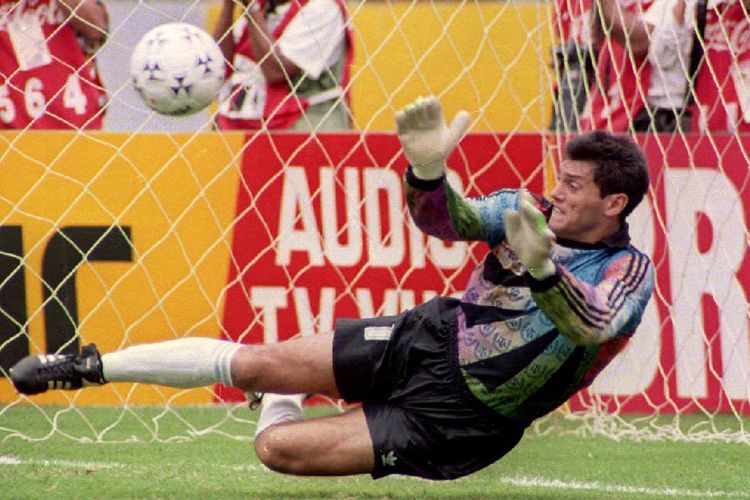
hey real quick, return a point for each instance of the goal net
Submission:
(156, 228)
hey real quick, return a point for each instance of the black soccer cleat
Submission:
(37, 374)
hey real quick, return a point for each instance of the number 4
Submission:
(73, 97)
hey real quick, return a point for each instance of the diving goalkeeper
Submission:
(448, 387)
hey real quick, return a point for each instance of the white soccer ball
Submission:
(177, 69)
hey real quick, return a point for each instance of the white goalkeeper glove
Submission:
(426, 139)
(528, 235)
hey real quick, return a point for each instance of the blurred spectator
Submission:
(50, 79)
(574, 62)
(290, 65)
(675, 54)
(723, 84)
(619, 88)
(663, 37)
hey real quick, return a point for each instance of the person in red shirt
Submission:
(49, 74)
(621, 84)
(289, 65)
(719, 101)
(663, 35)
(722, 90)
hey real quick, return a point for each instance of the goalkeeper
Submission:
(448, 387)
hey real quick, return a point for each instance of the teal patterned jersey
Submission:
(525, 346)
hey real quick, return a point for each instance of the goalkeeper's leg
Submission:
(328, 446)
(301, 365)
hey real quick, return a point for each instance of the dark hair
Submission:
(620, 166)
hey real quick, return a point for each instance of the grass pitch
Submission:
(162, 464)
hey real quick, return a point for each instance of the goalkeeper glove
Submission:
(426, 139)
(528, 235)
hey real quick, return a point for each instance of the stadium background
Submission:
(178, 195)
(437, 45)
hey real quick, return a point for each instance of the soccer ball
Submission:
(177, 69)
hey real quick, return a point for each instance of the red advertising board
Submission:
(322, 232)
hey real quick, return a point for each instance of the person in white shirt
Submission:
(664, 33)
(289, 65)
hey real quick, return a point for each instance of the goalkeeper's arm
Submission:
(439, 211)
(596, 313)
(427, 141)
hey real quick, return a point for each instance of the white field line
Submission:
(71, 464)
(11, 460)
(518, 481)
(540, 482)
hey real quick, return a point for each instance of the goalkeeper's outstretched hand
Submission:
(426, 139)
(528, 235)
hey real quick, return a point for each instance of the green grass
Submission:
(210, 465)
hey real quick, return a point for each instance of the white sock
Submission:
(278, 408)
(186, 362)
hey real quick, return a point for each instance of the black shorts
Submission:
(423, 420)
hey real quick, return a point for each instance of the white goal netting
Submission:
(133, 227)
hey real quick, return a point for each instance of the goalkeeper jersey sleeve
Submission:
(441, 212)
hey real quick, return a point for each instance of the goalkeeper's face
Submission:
(579, 211)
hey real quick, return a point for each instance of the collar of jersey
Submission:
(618, 239)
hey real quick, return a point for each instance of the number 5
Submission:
(7, 109)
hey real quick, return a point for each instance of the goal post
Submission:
(157, 228)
